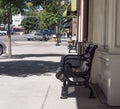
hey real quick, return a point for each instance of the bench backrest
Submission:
(75, 43)
(79, 60)
(90, 51)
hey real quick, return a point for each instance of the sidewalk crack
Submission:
(43, 104)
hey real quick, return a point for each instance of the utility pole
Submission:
(58, 23)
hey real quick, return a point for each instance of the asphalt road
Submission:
(14, 37)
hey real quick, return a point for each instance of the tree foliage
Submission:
(11, 7)
(52, 11)
(46, 19)
(28, 25)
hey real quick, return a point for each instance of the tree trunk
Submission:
(9, 37)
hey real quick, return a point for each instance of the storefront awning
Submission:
(73, 5)
(67, 23)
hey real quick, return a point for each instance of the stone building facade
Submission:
(103, 28)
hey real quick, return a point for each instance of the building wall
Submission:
(105, 24)
(74, 26)
(17, 20)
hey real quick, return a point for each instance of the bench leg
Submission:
(69, 51)
(91, 92)
(76, 50)
(64, 93)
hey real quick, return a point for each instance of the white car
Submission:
(2, 48)
(3, 32)
(37, 36)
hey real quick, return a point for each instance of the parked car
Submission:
(41, 36)
(11, 32)
(3, 32)
(2, 48)
(46, 32)
(37, 36)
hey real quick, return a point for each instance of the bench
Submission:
(73, 45)
(75, 70)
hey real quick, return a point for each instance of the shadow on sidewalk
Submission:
(27, 68)
(35, 55)
(21, 56)
(81, 94)
(24, 68)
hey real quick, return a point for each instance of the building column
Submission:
(106, 33)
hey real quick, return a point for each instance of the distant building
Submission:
(17, 20)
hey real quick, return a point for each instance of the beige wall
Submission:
(117, 38)
(98, 21)
(104, 29)
(90, 22)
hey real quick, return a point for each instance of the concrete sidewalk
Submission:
(41, 92)
(24, 84)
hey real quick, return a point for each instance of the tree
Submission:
(11, 7)
(53, 11)
(28, 25)
(57, 8)
(46, 19)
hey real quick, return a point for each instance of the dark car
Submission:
(46, 32)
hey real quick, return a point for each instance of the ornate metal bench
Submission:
(75, 70)
(73, 46)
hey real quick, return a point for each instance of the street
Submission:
(28, 57)
(14, 37)
(20, 45)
